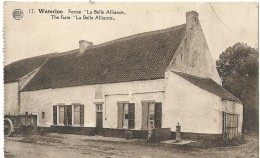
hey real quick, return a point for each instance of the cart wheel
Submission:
(8, 127)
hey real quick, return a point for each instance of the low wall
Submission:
(91, 131)
(111, 132)
(160, 134)
(197, 136)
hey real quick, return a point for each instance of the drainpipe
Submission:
(19, 104)
(19, 97)
(105, 108)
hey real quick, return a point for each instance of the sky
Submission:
(223, 25)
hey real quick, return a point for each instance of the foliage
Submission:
(238, 69)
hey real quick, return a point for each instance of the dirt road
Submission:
(65, 145)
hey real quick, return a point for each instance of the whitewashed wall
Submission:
(193, 55)
(11, 98)
(40, 101)
(197, 110)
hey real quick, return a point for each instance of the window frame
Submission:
(148, 118)
(125, 112)
(58, 123)
(58, 115)
(151, 112)
(99, 107)
(123, 121)
(73, 114)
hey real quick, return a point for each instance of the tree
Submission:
(238, 69)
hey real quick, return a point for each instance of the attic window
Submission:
(181, 57)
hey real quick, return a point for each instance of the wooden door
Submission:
(99, 121)
(230, 126)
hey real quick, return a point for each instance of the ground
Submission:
(68, 145)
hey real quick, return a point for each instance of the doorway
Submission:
(99, 118)
(230, 126)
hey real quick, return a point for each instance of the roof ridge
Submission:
(142, 34)
(106, 43)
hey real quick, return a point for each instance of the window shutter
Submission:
(65, 116)
(119, 115)
(131, 114)
(81, 115)
(223, 122)
(69, 114)
(158, 115)
(54, 115)
(145, 115)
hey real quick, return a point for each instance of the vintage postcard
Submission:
(144, 80)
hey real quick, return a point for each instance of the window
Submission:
(152, 115)
(76, 115)
(126, 115)
(62, 115)
(99, 107)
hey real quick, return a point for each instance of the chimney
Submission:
(84, 45)
(192, 19)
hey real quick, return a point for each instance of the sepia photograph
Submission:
(131, 79)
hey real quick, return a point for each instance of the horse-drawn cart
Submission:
(20, 124)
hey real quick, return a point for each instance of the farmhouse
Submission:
(152, 79)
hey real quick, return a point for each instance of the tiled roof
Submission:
(18, 69)
(208, 85)
(139, 57)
